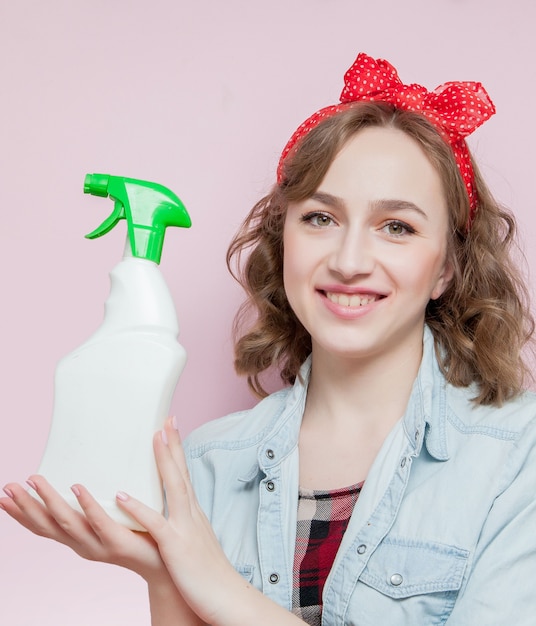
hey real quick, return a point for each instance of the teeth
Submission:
(348, 300)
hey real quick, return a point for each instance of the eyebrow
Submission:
(384, 204)
(397, 205)
(328, 199)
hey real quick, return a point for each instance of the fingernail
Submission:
(164, 437)
(175, 423)
(121, 495)
(31, 484)
(2, 507)
(8, 493)
(75, 490)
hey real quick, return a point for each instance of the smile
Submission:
(351, 300)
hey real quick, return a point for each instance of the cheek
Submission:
(287, 264)
(424, 273)
(291, 274)
(296, 275)
(291, 259)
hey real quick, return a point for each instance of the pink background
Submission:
(199, 96)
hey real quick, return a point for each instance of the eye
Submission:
(317, 219)
(396, 228)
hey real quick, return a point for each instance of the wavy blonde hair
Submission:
(480, 323)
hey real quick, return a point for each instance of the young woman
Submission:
(392, 480)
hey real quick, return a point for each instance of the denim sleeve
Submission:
(501, 585)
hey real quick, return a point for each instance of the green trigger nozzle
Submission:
(148, 208)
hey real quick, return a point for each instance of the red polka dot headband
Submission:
(456, 109)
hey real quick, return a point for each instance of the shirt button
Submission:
(270, 485)
(396, 579)
(274, 578)
(361, 549)
(270, 454)
(403, 462)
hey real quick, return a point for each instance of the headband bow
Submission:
(456, 109)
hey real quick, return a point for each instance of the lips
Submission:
(351, 299)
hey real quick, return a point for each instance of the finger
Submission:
(176, 485)
(174, 443)
(104, 527)
(122, 546)
(72, 522)
(31, 513)
(155, 523)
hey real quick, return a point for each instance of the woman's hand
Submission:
(95, 536)
(92, 534)
(186, 542)
(190, 578)
(191, 551)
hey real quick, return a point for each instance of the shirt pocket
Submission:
(420, 579)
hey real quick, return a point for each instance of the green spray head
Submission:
(148, 208)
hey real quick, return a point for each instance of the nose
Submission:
(352, 255)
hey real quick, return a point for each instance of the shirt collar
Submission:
(424, 421)
(282, 438)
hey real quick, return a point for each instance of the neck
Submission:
(367, 394)
(352, 405)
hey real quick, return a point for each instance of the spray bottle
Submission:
(113, 392)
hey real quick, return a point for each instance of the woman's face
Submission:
(365, 254)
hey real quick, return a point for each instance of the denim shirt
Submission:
(444, 530)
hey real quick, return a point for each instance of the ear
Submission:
(443, 280)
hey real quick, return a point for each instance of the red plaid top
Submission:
(322, 520)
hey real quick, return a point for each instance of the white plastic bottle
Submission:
(115, 390)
